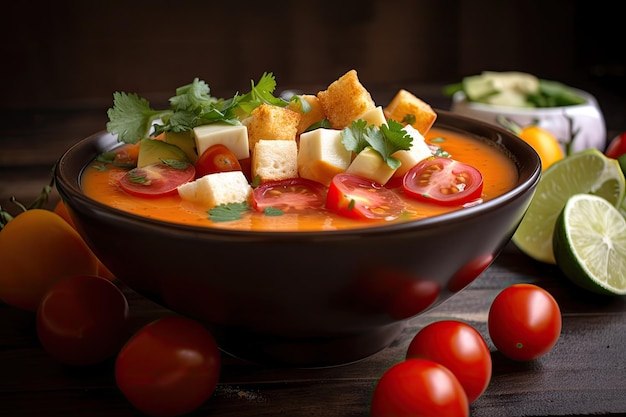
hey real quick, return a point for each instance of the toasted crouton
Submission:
(314, 115)
(274, 160)
(345, 100)
(405, 106)
(270, 122)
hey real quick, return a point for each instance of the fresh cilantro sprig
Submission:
(131, 118)
(386, 139)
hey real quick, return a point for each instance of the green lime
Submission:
(587, 171)
(590, 244)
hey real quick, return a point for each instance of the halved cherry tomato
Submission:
(418, 387)
(617, 146)
(83, 320)
(290, 194)
(443, 181)
(217, 158)
(156, 180)
(524, 322)
(459, 347)
(359, 198)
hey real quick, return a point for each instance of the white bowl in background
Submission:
(585, 119)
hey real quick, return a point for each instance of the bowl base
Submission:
(318, 352)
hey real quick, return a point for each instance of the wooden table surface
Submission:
(584, 374)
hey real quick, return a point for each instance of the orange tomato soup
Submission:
(499, 176)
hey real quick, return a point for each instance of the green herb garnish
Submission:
(386, 140)
(228, 212)
(273, 211)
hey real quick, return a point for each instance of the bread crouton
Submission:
(314, 115)
(345, 100)
(406, 108)
(274, 160)
(270, 122)
(218, 188)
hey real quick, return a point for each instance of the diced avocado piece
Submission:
(513, 81)
(185, 141)
(477, 87)
(153, 150)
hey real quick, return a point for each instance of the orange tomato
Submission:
(544, 143)
(37, 249)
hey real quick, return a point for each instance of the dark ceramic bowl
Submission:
(302, 299)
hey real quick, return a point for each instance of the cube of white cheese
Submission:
(419, 150)
(371, 165)
(215, 189)
(234, 137)
(322, 155)
(374, 116)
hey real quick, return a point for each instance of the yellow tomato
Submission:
(37, 249)
(544, 143)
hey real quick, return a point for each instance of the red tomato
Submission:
(524, 322)
(82, 320)
(217, 158)
(460, 348)
(290, 194)
(443, 181)
(359, 198)
(418, 387)
(169, 367)
(156, 180)
(617, 146)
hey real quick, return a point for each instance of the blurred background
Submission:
(62, 60)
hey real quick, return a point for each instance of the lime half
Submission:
(587, 171)
(590, 244)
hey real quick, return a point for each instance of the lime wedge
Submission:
(587, 171)
(590, 244)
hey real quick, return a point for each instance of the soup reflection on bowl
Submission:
(307, 297)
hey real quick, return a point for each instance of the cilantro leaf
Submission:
(386, 139)
(353, 137)
(131, 117)
(228, 212)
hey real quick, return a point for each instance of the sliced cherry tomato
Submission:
(617, 146)
(418, 387)
(291, 194)
(460, 348)
(524, 322)
(443, 181)
(217, 158)
(156, 180)
(169, 367)
(359, 198)
(83, 320)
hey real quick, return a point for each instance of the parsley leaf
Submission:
(228, 212)
(386, 139)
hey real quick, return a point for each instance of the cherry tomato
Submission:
(156, 180)
(524, 322)
(290, 194)
(359, 198)
(617, 146)
(169, 367)
(82, 320)
(216, 158)
(460, 348)
(419, 387)
(443, 181)
(38, 248)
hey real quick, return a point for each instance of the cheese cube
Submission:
(419, 150)
(322, 155)
(233, 137)
(215, 189)
(370, 164)
(374, 116)
(274, 160)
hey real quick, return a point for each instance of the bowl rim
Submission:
(67, 180)
(459, 98)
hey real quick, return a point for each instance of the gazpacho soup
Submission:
(326, 161)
